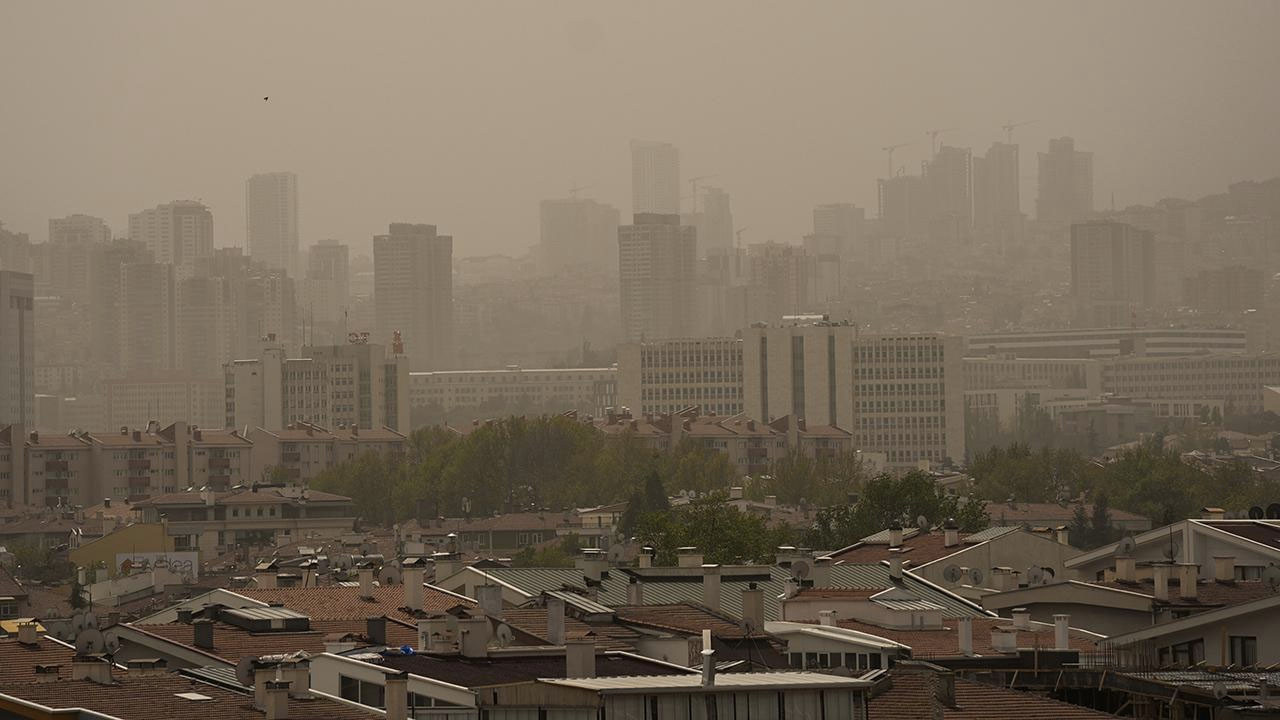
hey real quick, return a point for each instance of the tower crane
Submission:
(573, 191)
(694, 182)
(933, 139)
(1008, 129)
(889, 149)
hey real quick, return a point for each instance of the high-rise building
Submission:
(997, 204)
(577, 233)
(148, 312)
(15, 251)
(780, 281)
(842, 221)
(413, 293)
(106, 292)
(655, 178)
(1112, 273)
(802, 368)
(904, 206)
(270, 310)
(666, 376)
(1065, 187)
(176, 233)
(271, 205)
(948, 178)
(78, 230)
(658, 265)
(17, 348)
(714, 221)
(328, 290)
(202, 336)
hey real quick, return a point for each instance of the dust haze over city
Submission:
(828, 359)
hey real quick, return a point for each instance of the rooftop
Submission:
(18, 661)
(333, 602)
(945, 641)
(231, 643)
(912, 695)
(499, 669)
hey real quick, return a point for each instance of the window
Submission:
(1244, 650)
(8, 609)
(361, 691)
(1183, 654)
(182, 542)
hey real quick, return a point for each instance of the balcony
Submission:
(219, 463)
(56, 466)
(139, 464)
(290, 457)
(757, 452)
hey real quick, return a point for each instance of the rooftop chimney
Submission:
(396, 695)
(711, 586)
(1224, 568)
(895, 534)
(645, 559)
(1063, 534)
(1126, 569)
(689, 557)
(1004, 640)
(266, 580)
(1022, 618)
(490, 599)
(92, 668)
(555, 621)
(276, 702)
(635, 591)
(827, 617)
(950, 533)
(753, 607)
(1061, 632)
(821, 572)
(202, 633)
(1188, 576)
(376, 629)
(27, 633)
(1213, 513)
(366, 582)
(964, 628)
(708, 660)
(580, 658)
(475, 637)
(411, 576)
(895, 566)
(1160, 580)
(185, 615)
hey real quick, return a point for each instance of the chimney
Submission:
(753, 608)
(1022, 618)
(92, 668)
(411, 572)
(276, 700)
(1061, 632)
(1224, 568)
(1160, 581)
(1213, 513)
(555, 621)
(396, 695)
(1188, 576)
(1004, 640)
(821, 572)
(446, 564)
(1126, 569)
(1063, 534)
(265, 580)
(27, 634)
(580, 658)
(475, 637)
(964, 627)
(375, 628)
(593, 563)
(185, 615)
(47, 673)
(646, 557)
(635, 591)
(827, 617)
(1003, 579)
(708, 660)
(711, 586)
(202, 633)
(950, 533)
(895, 534)
(895, 566)
(689, 557)
(366, 582)
(490, 599)
(735, 492)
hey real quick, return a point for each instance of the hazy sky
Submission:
(465, 114)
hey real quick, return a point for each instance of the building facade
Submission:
(1112, 274)
(577, 233)
(1238, 380)
(586, 390)
(655, 178)
(665, 376)
(176, 233)
(271, 233)
(17, 348)
(413, 293)
(1108, 342)
(658, 266)
(1065, 183)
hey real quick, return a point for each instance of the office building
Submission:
(1108, 342)
(997, 201)
(163, 397)
(268, 310)
(780, 282)
(1006, 372)
(1112, 274)
(333, 386)
(1065, 183)
(17, 348)
(147, 316)
(106, 292)
(1228, 290)
(714, 221)
(666, 376)
(413, 293)
(577, 234)
(904, 206)
(948, 179)
(514, 390)
(177, 233)
(271, 232)
(802, 367)
(657, 264)
(655, 178)
(1238, 380)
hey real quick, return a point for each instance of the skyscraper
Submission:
(176, 233)
(997, 202)
(17, 349)
(948, 180)
(271, 209)
(106, 292)
(148, 311)
(655, 178)
(203, 341)
(904, 207)
(842, 221)
(577, 233)
(413, 293)
(1065, 188)
(1112, 273)
(328, 290)
(658, 266)
(78, 229)
(714, 221)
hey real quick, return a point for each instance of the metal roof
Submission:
(990, 533)
(908, 604)
(264, 613)
(728, 681)
(582, 603)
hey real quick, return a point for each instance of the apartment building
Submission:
(802, 367)
(1238, 380)
(165, 397)
(664, 376)
(1107, 342)
(299, 453)
(587, 390)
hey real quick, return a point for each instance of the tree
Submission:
(77, 595)
(889, 499)
(723, 533)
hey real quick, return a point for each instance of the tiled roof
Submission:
(1211, 594)
(945, 642)
(913, 697)
(608, 636)
(155, 697)
(344, 603)
(1265, 532)
(18, 662)
(232, 643)
(1047, 513)
(684, 618)
(9, 585)
(482, 672)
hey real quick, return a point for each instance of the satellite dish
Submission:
(390, 575)
(1049, 574)
(1271, 576)
(615, 553)
(975, 576)
(90, 621)
(1172, 550)
(89, 642)
(77, 623)
(504, 635)
(748, 627)
(1273, 511)
(922, 522)
(1126, 546)
(244, 671)
(799, 569)
(952, 574)
(1219, 689)
(111, 641)
(1256, 513)
(1035, 575)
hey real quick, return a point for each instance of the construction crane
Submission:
(1008, 129)
(694, 182)
(890, 150)
(737, 237)
(573, 191)
(933, 139)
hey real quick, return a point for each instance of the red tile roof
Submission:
(18, 662)
(608, 636)
(684, 618)
(913, 696)
(344, 603)
(1211, 594)
(945, 642)
(915, 551)
(232, 643)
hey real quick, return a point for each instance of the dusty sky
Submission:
(465, 114)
